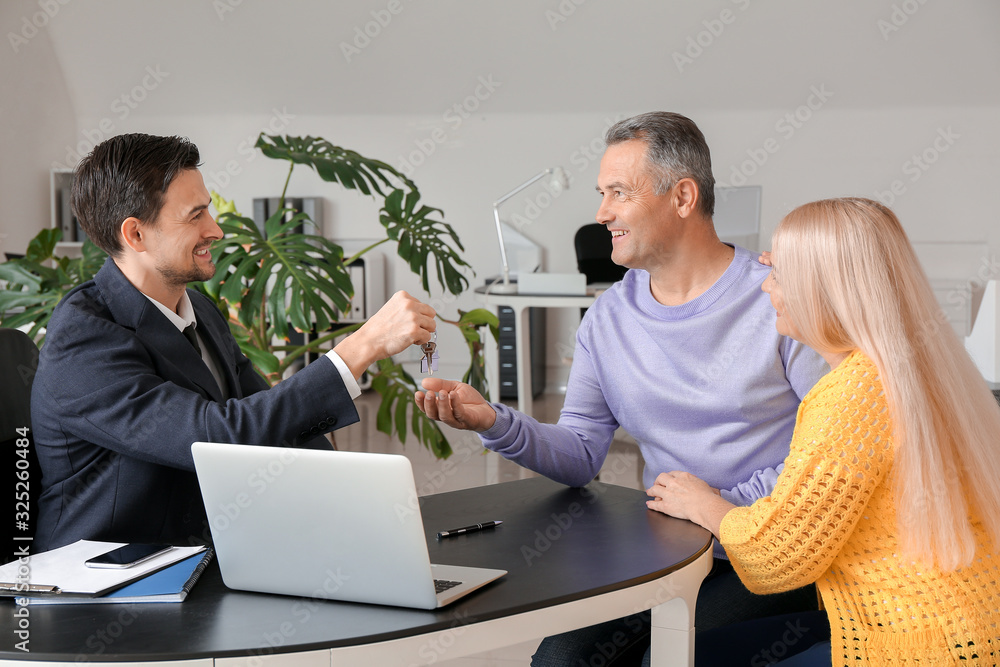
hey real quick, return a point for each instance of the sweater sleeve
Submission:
(760, 484)
(134, 400)
(572, 451)
(840, 453)
(803, 367)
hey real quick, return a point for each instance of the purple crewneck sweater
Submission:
(708, 387)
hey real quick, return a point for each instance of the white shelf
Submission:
(60, 181)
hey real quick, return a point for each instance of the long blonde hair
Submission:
(851, 280)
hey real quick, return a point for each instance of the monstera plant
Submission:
(39, 280)
(274, 279)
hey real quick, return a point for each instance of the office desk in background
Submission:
(520, 303)
(575, 557)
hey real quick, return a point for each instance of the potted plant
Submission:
(272, 280)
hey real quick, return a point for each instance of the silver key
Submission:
(428, 349)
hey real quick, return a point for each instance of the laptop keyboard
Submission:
(441, 585)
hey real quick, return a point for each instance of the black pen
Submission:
(468, 529)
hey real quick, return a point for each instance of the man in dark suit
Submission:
(136, 367)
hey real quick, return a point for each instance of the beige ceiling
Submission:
(541, 56)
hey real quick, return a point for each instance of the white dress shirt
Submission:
(185, 317)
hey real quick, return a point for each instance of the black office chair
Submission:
(18, 362)
(593, 254)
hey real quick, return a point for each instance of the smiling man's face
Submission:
(642, 224)
(179, 241)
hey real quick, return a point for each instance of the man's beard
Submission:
(175, 276)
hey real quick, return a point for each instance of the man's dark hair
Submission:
(125, 177)
(675, 149)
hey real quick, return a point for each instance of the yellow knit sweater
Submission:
(831, 519)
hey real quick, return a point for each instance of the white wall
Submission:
(36, 121)
(864, 100)
(834, 152)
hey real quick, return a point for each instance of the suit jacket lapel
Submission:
(180, 361)
(214, 330)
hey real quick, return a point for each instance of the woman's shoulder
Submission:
(848, 413)
(854, 381)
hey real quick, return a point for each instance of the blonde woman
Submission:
(890, 497)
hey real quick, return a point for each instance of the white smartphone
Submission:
(128, 555)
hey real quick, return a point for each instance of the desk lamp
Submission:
(559, 181)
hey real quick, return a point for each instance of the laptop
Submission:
(323, 524)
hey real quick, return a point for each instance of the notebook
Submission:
(323, 524)
(171, 584)
(62, 572)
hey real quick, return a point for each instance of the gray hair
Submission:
(675, 149)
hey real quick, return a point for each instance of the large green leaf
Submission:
(37, 282)
(274, 276)
(470, 321)
(282, 276)
(419, 236)
(23, 273)
(470, 324)
(333, 163)
(43, 246)
(264, 360)
(90, 262)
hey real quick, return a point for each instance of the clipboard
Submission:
(62, 571)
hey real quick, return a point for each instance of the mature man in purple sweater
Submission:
(682, 353)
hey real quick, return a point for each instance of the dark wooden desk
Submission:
(575, 557)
